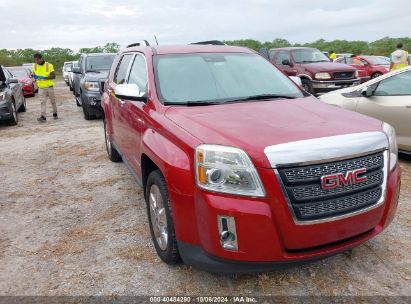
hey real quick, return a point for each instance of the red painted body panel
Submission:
(266, 231)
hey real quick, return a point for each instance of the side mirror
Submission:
(368, 91)
(286, 62)
(76, 70)
(296, 80)
(12, 80)
(129, 91)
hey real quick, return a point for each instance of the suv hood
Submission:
(328, 67)
(94, 76)
(254, 126)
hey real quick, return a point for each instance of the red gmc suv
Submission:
(242, 170)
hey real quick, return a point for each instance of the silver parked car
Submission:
(11, 97)
(387, 98)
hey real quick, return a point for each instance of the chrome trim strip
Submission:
(325, 149)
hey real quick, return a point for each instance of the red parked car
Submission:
(25, 77)
(318, 74)
(368, 66)
(241, 169)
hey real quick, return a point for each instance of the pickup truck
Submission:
(91, 72)
(318, 74)
(242, 170)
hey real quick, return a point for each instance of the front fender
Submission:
(176, 164)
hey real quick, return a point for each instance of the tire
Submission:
(112, 153)
(77, 103)
(23, 107)
(14, 118)
(307, 86)
(87, 115)
(375, 75)
(159, 211)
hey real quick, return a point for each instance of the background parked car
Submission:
(387, 98)
(71, 75)
(66, 67)
(369, 66)
(89, 77)
(318, 74)
(11, 97)
(25, 77)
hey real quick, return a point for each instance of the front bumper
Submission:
(93, 102)
(268, 239)
(331, 85)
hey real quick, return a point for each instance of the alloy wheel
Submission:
(158, 217)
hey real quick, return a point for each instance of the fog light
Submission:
(227, 232)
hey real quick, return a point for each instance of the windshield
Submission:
(218, 78)
(377, 60)
(309, 56)
(99, 63)
(19, 72)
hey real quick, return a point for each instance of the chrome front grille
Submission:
(308, 173)
(343, 75)
(309, 201)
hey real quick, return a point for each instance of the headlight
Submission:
(323, 76)
(392, 139)
(356, 74)
(227, 170)
(92, 86)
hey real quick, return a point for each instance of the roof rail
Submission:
(210, 42)
(141, 43)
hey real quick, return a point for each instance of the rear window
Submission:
(99, 63)
(19, 72)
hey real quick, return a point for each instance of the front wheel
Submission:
(14, 118)
(375, 75)
(23, 107)
(112, 153)
(307, 86)
(160, 218)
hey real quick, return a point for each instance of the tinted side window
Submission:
(138, 74)
(396, 85)
(282, 55)
(122, 69)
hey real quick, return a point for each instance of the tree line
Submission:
(381, 47)
(58, 56)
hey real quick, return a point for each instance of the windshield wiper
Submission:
(192, 103)
(263, 97)
(226, 101)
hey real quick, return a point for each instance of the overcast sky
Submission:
(86, 23)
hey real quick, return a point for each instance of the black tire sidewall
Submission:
(308, 84)
(112, 153)
(171, 255)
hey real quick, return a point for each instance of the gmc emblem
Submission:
(352, 177)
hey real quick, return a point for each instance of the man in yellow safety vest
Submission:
(399, 59)
(45, 75)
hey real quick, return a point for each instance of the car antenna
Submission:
(156, 39)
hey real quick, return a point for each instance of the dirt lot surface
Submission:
(74, 223)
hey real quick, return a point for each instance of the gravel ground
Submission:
(73, 223)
